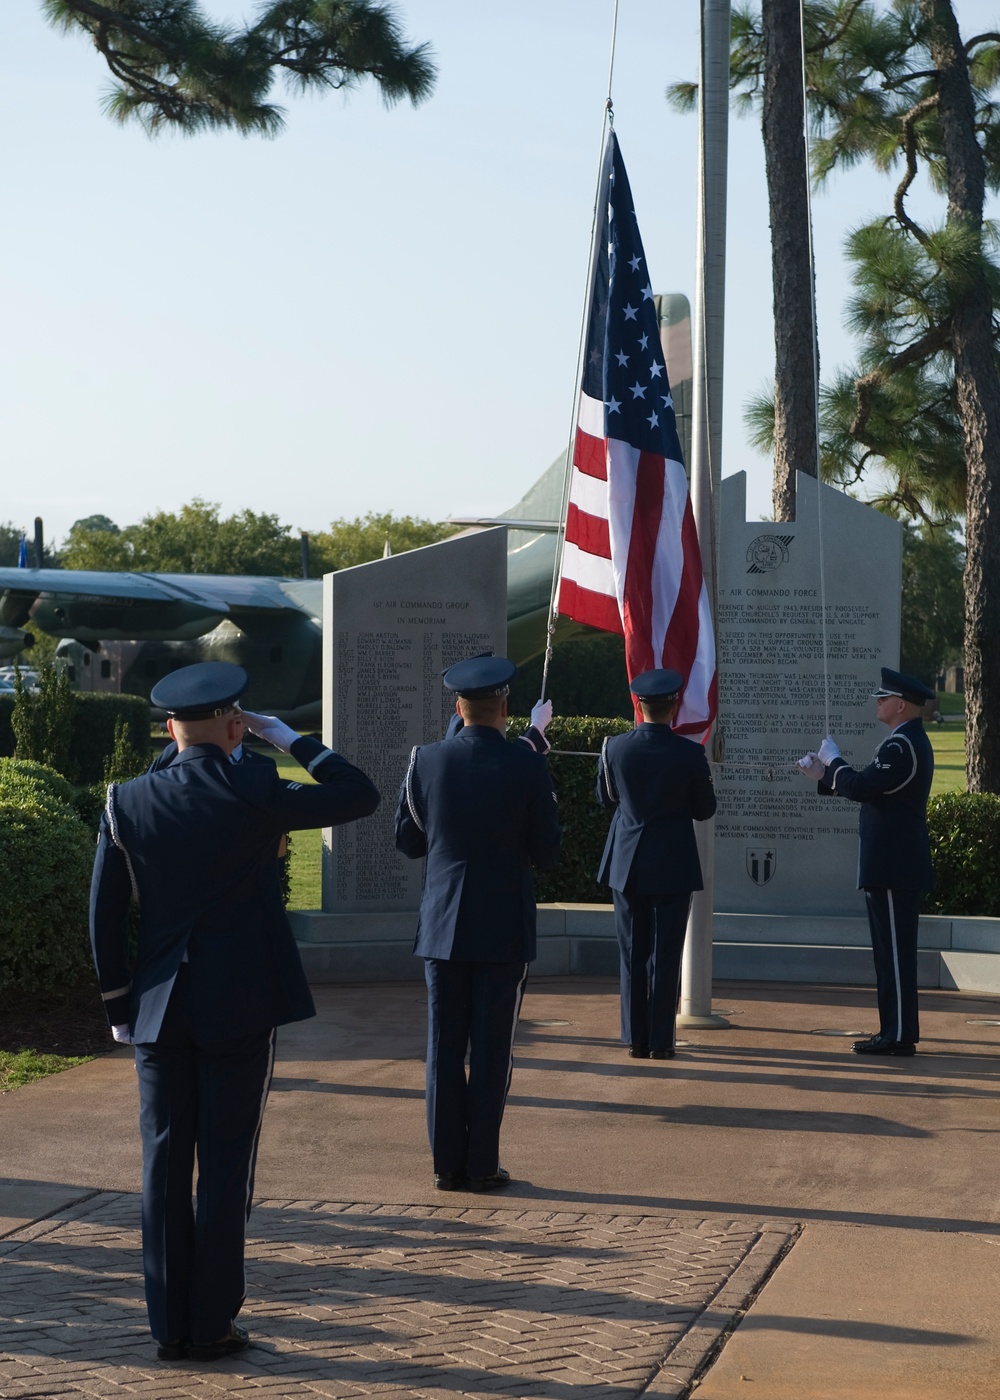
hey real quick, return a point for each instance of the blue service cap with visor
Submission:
(480, 676)
(657, 685)
(202, 691)
(905, 687)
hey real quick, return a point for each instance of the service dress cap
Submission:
(480, 676)
(906, 687)
(202, 691)
(657, 685)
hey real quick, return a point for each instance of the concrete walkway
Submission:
(767, 1215)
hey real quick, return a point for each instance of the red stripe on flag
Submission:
(703, 726)
(638, 602)
(584, 605)
(680, 645)
(589, 532)
(590, 455)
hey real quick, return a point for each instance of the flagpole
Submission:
(706, 438)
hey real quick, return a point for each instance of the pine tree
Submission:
(899, 86)
(927, 300)
(174, 67)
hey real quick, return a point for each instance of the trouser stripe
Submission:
(513, 1030)
(895, 967)
(260, 1116)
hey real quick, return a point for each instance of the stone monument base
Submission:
(578, 940)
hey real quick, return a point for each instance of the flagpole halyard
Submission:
(607, 123)
(815, 357)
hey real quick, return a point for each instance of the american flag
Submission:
(631, 561)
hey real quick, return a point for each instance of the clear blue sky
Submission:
(376, 311)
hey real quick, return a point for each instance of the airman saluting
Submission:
(216, 970)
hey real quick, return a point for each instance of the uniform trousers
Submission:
(892, 919)
(650, 930)
(204, 1099)
(471, 1007)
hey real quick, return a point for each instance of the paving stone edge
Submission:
(81, 1205)
(685, 1365)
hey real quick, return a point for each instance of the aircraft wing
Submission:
(95, 605)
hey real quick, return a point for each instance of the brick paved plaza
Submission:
(767, 1217)
(359, 1299)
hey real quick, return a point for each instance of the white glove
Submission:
(812, 767)
(541, 714)
(121, 1034)
(828, 750)
(271, 729)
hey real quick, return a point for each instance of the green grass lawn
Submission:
(948, 743)
(22, 1066)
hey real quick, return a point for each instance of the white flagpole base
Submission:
(695, 1011)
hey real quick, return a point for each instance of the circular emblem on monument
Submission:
(767, 553)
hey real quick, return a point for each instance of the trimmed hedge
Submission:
(965, 846)
(584, 823)
(587, 675)
(24, 774)
(93, 738)
(46, 855)
(94, 731)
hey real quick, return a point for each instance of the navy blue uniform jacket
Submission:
(657, 783)
(894, 850)
(169, 753)
(482, 811)
(197, 844)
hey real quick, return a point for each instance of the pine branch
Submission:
(909, 144)
(178, 68)
(829, 39)
(930, 343)
(987, 38)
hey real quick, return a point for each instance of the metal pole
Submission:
(706, 434)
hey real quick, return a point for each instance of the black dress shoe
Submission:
(496, 1182)
(666, 1054)
(173, 1351)
(236, 1339)
(451, 1181)
(638, 1052)
(883, 1045)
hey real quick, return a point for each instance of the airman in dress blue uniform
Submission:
(216, 969)
(657, 784)
(894, 854)
(481, 812)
